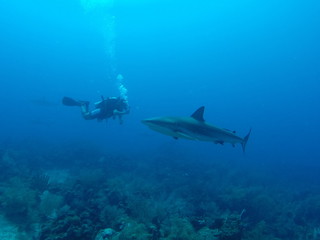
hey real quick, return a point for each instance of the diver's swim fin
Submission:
(70, 102)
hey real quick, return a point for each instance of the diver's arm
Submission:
(117, 112)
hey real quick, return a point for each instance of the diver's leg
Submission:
(86, 114)
(94, 114)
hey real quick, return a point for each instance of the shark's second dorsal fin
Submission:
(198, 115)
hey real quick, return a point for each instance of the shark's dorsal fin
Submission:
(198, 115)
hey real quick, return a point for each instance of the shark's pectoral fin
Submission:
(219, 142)
(184, 135)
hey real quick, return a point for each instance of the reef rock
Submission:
(105, 234)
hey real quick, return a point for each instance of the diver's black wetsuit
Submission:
(106, 108)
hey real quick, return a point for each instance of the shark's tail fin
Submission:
(245, 140)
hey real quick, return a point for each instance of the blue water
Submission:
(252, 64)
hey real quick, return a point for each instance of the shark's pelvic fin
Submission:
(198, 115)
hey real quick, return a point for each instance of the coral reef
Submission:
(96, 195)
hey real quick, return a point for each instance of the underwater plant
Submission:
(50, 204)
(18, 202)
(39, 181)
(231, 228)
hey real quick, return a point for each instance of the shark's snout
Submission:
(145, 121)
(149, 122)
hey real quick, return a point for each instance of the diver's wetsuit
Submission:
(106, 108)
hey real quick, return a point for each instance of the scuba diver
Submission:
(104, 109)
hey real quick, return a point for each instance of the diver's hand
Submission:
(116, 112)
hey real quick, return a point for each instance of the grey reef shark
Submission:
(195, 128)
